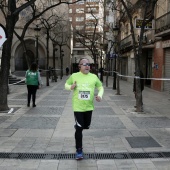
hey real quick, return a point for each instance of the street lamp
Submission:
(54, 57)
(115, 33)
(61, 59)
(37, 30)
(101, 67)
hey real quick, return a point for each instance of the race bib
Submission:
(84, 95)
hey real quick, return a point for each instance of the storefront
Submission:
(166, 83)
(124, 67)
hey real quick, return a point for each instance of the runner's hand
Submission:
(98, 98)
(73, 85)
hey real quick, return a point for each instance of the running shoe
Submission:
(79, 154)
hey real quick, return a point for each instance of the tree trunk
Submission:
(60, 63)
(5, 60)
(138, 87)
(118, 78)
(4, 73)
(54, 71)
(107, 73)
(138, 96)
(47, 66)
(61, 66)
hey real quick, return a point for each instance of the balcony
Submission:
(126, 43)
(148, 40)
(162, 25)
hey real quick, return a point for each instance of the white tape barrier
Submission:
(11, 110)
(17, 82)
(137, 77)
(108, 72)
(50, 70)
(24, 78)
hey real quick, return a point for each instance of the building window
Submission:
(80, 52)
(79, 27)
(80, 10)
(70, 10)
(70, 18)
(78, 44)
(90, 27)
(107, 18)
(90, 36)
(79, 19)
(78, 36)
(91, 17)
(126, 29)
(92, 0)
(91, 10)
(80, 2)
(89, 23)
(88, 43)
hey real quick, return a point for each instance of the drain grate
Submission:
(66, 156)
(61, 156)
(146, 155)
(166, 154)
(111, 156)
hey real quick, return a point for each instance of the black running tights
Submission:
(83, 121)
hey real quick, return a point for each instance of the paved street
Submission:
(42, 138)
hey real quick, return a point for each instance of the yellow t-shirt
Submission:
(83, 94)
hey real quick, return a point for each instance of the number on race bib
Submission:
(84, 95)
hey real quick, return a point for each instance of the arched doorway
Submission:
(31, 58)
(20, 59)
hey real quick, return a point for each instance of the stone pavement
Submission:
(116, 131)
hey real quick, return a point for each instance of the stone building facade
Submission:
(18, 61)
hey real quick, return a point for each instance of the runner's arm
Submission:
(67, 86)
(101, 91)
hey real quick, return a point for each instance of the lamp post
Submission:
(62, 55)
(54, 54)
(54, 57)
(115, 33)
(37, 30)
(101, 66)
(61, 60)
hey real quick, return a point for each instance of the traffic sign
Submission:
(2, 35)
(139, 22)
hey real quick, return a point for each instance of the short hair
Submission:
(82, 59)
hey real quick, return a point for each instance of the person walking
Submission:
(67, 70)
(33, 81)
(83, 84)
(101, 71)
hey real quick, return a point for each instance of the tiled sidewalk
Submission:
(115, 128)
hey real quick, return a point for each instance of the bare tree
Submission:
(48, 23)
(93, 39)
(147, 14)
(11, 15)
(10, 10)
(60, 36)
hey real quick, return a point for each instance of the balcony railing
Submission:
(148, 38)
(126, 42)
(162, 23)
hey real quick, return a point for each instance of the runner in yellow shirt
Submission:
(83, 85)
